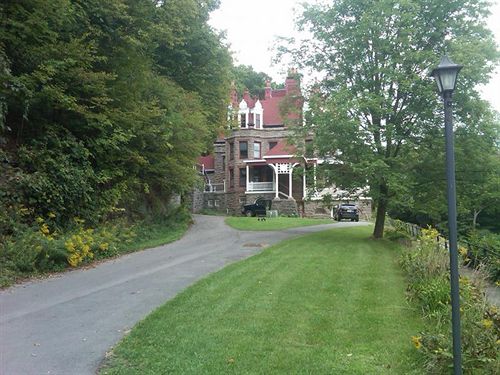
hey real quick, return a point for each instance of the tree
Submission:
(245, 77)
(106, 103)
(376, 104)
(477, 175)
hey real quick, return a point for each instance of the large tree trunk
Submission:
(378, 232)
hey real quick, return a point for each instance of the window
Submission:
(257, 120)
(210, 203)
(243, 150)
(231, 177)
(272, 144)
(243, 120)
(231, 151)
(243, 177)
(256, 150)
(216, 203)
(224, 163)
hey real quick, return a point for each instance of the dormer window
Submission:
(243, 120)
(258, 113)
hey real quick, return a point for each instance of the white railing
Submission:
(215, 188)
(260, 186)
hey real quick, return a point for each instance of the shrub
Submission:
(484, 247)
(427, 267)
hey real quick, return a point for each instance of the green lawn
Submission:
(275, 223)
(328, 303)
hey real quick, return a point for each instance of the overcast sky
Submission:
(253, 26)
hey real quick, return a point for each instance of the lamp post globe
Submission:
(446, 75)
(446, 78)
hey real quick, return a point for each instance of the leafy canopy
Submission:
(375, 103)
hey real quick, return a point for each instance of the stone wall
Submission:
(216, 201)
(316, 208)
(285, 207)
(195, 200)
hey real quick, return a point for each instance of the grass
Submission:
(150, 235)
(328, 303)
(275, 223)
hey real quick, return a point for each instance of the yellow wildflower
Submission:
(39, 220)
(104, 246)
(464, 280)
(417, 341)
(487, 323)
(44, 229)
(51, 215)
(23, 211)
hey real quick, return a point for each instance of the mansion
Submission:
(253, 159)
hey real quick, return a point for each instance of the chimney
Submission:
(291, 83)
(268, 89)
(246, 96)
(234, 95)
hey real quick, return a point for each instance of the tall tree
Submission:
(376, 103)
(106, 103)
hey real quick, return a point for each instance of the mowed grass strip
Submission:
(274, 223)
(327, 303)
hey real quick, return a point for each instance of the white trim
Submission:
(247, 176)
(253, 161)
(278, 156)
(260, 192)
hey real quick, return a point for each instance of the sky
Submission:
(252, 27)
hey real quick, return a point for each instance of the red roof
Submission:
(207, 161)
(271, 103)
(271, 109)
(281, 149)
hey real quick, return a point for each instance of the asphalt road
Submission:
(65, 324)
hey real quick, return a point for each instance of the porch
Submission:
(275, 179)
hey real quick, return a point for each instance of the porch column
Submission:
(247, 176)
(290, 171)
(314, 176)
(276, 180)
(304, 183)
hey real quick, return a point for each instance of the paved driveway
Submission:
(65, 324)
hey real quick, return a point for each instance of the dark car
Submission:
(347, 211)
(256, 209)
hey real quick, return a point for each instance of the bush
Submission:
(427, 267)
(42, 247)
(484, 248)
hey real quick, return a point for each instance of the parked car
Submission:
(258, 208)
(347, 211)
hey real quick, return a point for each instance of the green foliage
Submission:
(376, 105)
(43, 247)
(484, 248)
(106, 105)
(426, 265)
(246, 78)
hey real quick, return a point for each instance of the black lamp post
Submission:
(446, 77)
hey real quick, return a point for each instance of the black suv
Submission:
(347, 211)
(256, 209)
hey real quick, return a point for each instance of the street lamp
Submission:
(446, 77)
